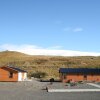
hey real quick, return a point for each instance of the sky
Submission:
(52, 25)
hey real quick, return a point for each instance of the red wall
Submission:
(79, 77)
(4, 75)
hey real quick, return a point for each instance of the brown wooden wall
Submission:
(79, 77)
(4, 75)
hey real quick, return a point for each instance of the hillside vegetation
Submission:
(46, 64)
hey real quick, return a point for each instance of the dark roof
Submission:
(14, 68)
(17, 69)
(80, 70)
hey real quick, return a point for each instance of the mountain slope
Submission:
(48, 64)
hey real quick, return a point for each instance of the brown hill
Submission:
(47, 64)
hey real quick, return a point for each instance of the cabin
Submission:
(12, 74)
(79, 74)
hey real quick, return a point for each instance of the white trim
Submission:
(19, 76)
(73, 90)
(25, 76)
(22, 76)
(95, 85)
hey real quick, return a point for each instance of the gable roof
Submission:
(80, 70)
(15, 68)
(18, 69)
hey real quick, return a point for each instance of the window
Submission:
(10, 75)
(64, 76)
(85, 77)
(92, 75)
(78, 74)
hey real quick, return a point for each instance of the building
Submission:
(79, 74)
(12, 74)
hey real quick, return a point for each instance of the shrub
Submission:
(38, 74)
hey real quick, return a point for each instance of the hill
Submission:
(47, 64)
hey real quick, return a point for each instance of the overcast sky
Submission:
(50, 25)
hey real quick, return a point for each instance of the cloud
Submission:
(69, 29)
(36, 50)
(18, 47)
(77, 30)
(55, 47)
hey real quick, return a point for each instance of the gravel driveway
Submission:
(33, 91)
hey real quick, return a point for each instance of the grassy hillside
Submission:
(47, 64)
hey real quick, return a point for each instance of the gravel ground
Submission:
(65, 86)
(33, 91)
(98, 83)
(21, 85)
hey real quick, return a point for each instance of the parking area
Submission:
(34, 90)
(60, 85)
(73, 86)
(78, 87)
(98, 83)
